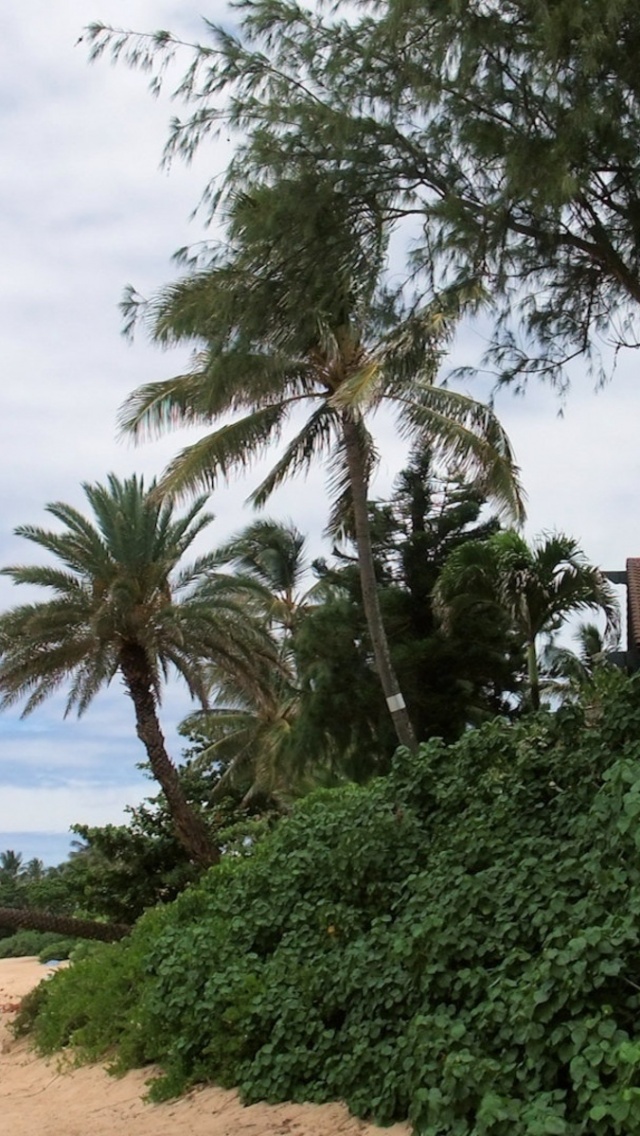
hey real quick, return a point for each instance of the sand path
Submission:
(37, 1096)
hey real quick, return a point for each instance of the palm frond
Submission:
(466, 433)
(43, 576)
(314, 438)
(363, 388)
(235, 445)
(167, 405)
(341, 520)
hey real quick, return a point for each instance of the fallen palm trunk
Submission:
(63, 924)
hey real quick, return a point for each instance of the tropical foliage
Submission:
(276, 338)
(536, 587)
(457, 943)
(123, 605)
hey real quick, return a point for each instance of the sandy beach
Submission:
(39, 1096)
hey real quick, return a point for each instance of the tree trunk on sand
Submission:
(64, 925)
(382, 656)
(190, 829)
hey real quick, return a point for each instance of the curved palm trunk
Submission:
(389, 682)
(190, 829)
(62, 924)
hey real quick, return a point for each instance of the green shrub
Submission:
(24, 943)
(458, 943)
(58, 949)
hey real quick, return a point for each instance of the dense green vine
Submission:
(457, 943)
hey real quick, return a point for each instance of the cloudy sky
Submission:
(84, 210)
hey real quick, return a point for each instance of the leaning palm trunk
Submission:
(382, 656)
(190, 829)
(62, 924)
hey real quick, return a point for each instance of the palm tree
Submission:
(565, 672)
(250, 725)
(121, 605)
(537, 587)
(250, 735)
(294, 320)
(273, 553)
(11, 863)
(33, 870)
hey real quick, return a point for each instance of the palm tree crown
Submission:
(300, 320)
(121, 605)
(538, 586)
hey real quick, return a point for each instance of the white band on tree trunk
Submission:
(396, 702)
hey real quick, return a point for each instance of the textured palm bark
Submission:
(14, 917)
(382, 656)
(534, 676)
(190, 829)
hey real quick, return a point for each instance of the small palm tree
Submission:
(121, 605)
(11, 863)
(565, 672)
(297, 322)
(250, 730)
(537, 587)
(34, 870)
(251, 725)
(273, 553)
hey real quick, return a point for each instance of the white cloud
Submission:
(55, 809)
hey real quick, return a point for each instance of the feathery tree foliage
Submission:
(11, 864)
(536, 586)
(508, 129)
(273, 552)
(290, 320)
(122, 605)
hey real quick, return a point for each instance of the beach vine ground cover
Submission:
(457, 943)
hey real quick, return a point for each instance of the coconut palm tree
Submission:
(250, 728)
(537, 586)
(296, 321)
(273, 553)
(121, 605)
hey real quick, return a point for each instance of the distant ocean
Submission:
(50, 847)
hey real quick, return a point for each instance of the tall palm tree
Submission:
(537, 586)
(121, 605)
(298, 321)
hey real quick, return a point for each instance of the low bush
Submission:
(24, 943)
(58, 949)
(458, 944)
